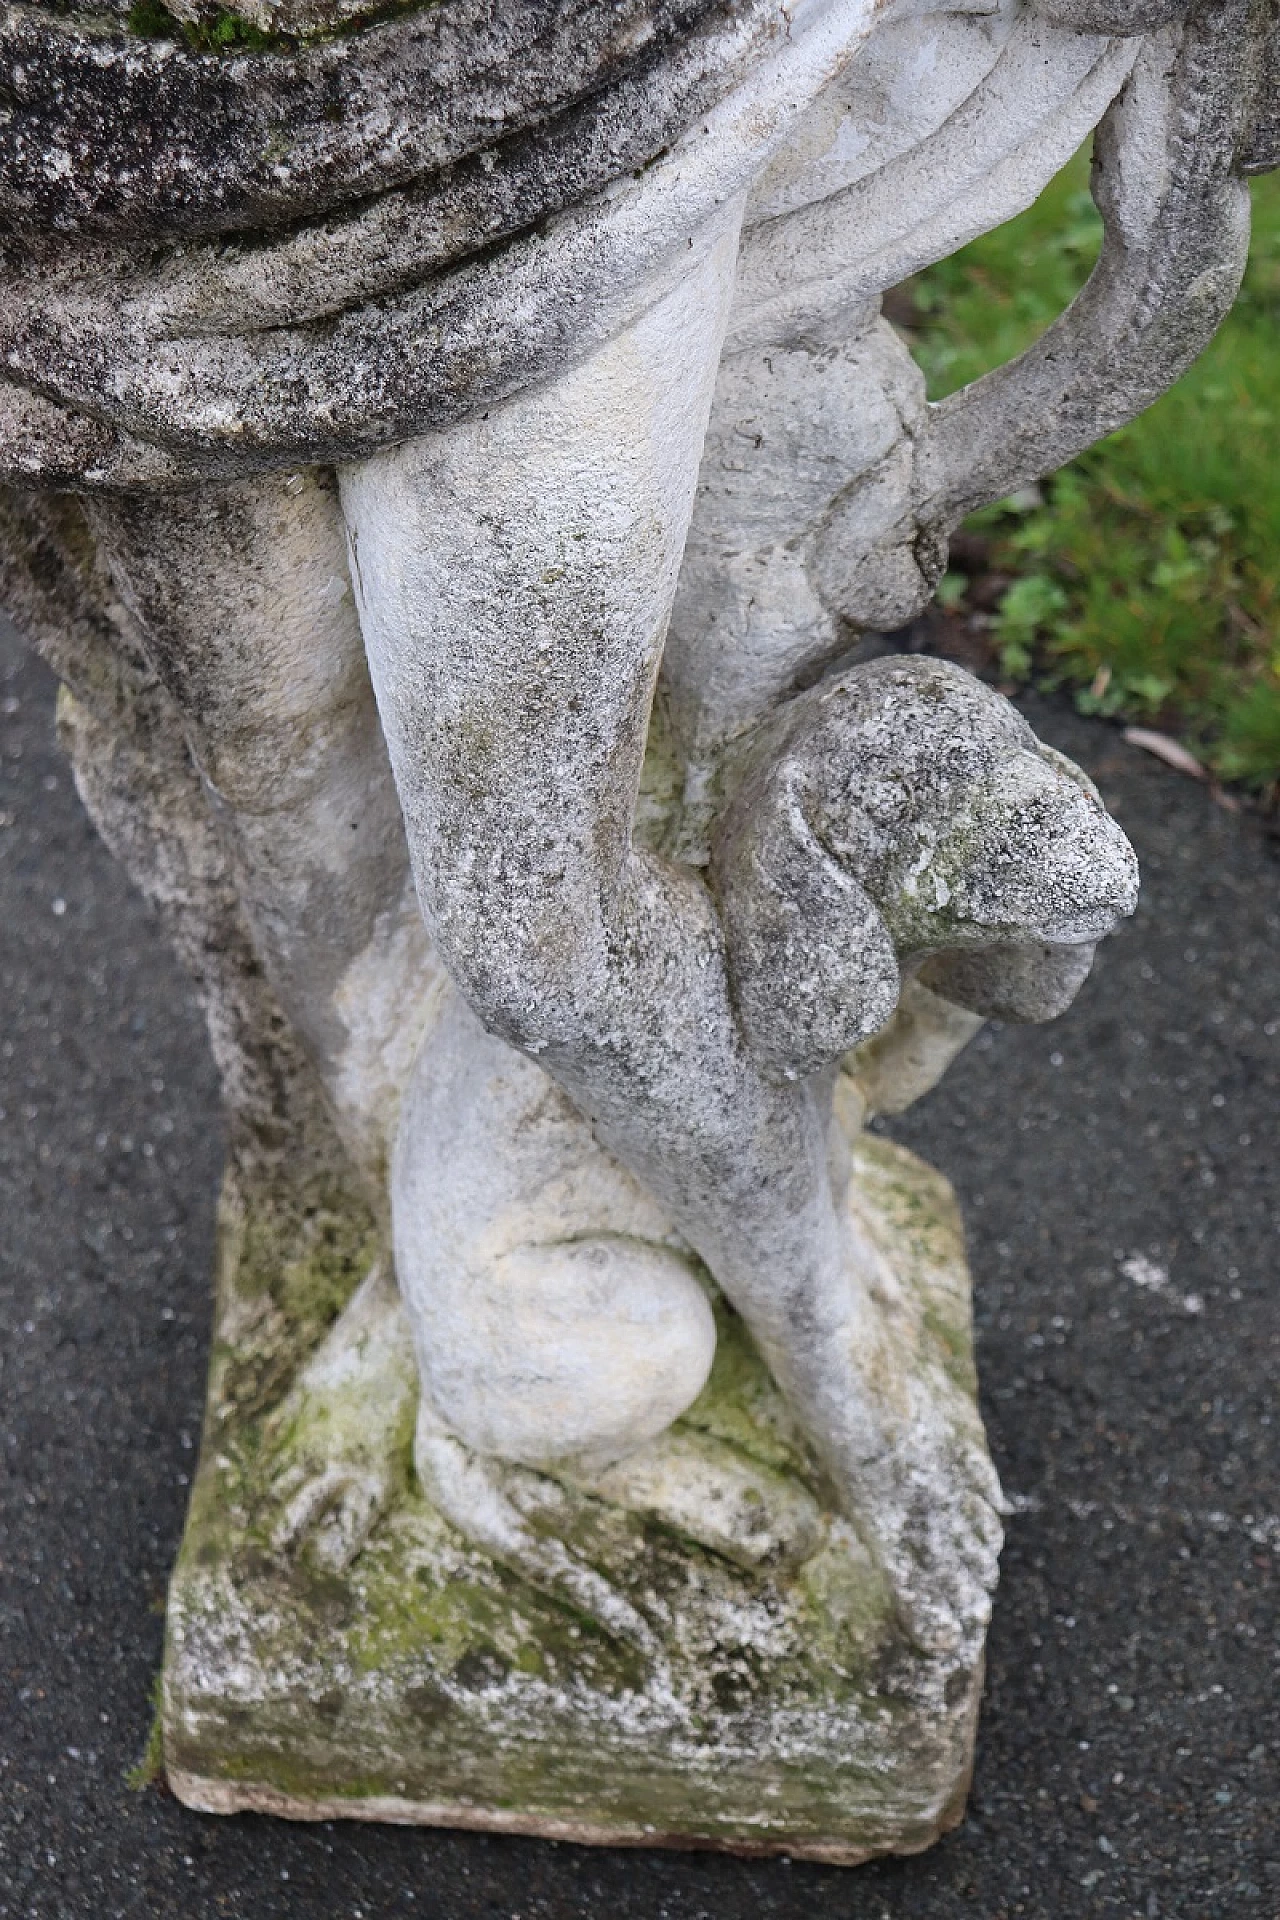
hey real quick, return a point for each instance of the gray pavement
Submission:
(1118, 1173)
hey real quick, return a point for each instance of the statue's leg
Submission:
(128, 743)
(244, 605)
(240, 599)
(514, 578)
(133, 770)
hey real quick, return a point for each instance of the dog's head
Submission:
(905, 813)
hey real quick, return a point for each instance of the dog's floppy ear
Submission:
(1026, 984)
(811, 966)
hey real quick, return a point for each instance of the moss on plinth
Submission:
(426, 1683)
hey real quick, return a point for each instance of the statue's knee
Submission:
(578, 1351)
(528, 978)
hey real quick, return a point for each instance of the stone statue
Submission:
(451, 459)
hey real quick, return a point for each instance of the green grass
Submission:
(225, 31)
(149, 1769)
(221, 32)
(1148, 578)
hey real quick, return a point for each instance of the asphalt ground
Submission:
(1118, 1175)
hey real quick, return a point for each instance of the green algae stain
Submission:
(784, 1704)
(290, 1264)
(223, 31)
(954, 1348)
(741, 1406)
(149, 1769)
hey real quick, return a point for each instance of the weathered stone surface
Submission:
(489, 455)
(783, 1710)
(384, 231)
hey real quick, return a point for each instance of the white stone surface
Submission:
(475, 517)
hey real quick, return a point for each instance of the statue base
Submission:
(425, 1683)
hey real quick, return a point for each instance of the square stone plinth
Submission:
(426, 1683)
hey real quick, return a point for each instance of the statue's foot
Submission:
(491, 1502)
(690, 1483)
(329, 1512)
(341, 1436)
